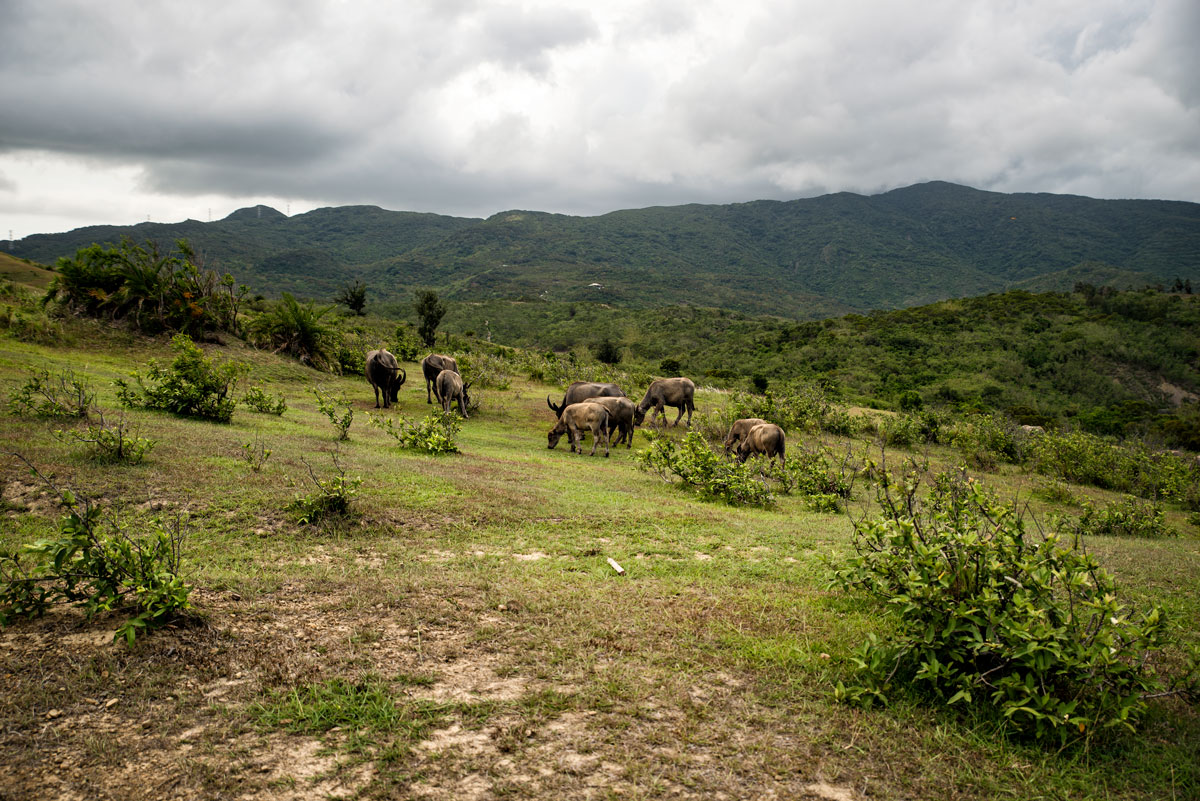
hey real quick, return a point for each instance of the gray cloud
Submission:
(474, 107)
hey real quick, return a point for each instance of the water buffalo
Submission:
(582, 390)
(449, 387)
(384, 373)
(739, 430)
(766, 439)
(431, 366)
(577, 418)
(675, 392)
(620, 412)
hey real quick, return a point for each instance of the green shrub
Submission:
(1134, 468)
(1056, 491)
(1128, 517)
(712, 475)
(57, 397)
(406, 345)
(110, 443)
(155, 291)
(986, 440)
(435, 433)
(258, 400)
(255, 454)
(337, 409)
(837, 421)
(31, 325)
(192, 386)
(991, 616)
(332, 499)
(485, 371)
(815, 474)
(97, 564)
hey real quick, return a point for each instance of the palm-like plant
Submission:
(296, 329)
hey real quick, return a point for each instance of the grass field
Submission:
(463, 636)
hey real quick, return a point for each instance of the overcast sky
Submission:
(116, 112)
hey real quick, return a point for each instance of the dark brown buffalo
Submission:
(766, 439)
(581, 391)
(431, 366)
(384, 374)
(450, 388)
(677, 392)
(739, 430)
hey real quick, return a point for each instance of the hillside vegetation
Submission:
(456, 627)
(799, 259)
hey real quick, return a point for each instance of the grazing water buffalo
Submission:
(450, 388)
(431, 366)
(620, 418)
(582, 390)
(675, 392)
(577, 418)
(384, 373)
(739, 430)
(764, 438)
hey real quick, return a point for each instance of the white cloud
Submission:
(474, 107)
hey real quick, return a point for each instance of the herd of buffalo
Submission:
(599, 408)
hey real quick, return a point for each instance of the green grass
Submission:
(478, 583)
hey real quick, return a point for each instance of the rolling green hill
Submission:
(801, 259)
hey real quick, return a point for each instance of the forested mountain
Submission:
(799, 259)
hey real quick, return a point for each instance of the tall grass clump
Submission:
(298, 330)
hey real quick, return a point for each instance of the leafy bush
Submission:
(1128, 517)
(193, 386)
(435, 433)
(30, 325)
(297, 330)
(258, 400)
(986, 440)
(333, 497)
(996, 618)
(1135, 468)
(111, 443)
(337, 409)
(837, 421)
(407, 345)
(485, 371)
(712, 475)
(96, 563)
(62, 396)
(155, 291)
(816, 474)
(1056, 491)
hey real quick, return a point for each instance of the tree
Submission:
(608, 351)
(430, 310)
(353, 297)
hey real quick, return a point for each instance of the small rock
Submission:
(54, 713)
(111, 702)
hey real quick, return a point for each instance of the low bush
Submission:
(435, 433)
(991, 616)
(192, 386)
(1128, 517)
(97, 563)
(56, 397)
(332, 499)
(298, 330)
(697, 467)
(257, 399)
(816, 473)
(255, 454)
(985, 441)
(337, 409)
(1131, 467)
(110, 442)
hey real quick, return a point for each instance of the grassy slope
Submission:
(475, 589)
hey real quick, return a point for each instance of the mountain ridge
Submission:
(802, 258)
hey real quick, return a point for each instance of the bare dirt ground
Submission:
(84, 718)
